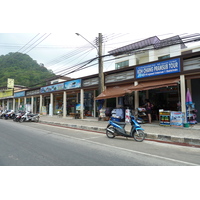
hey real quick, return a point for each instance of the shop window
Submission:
(164, 57)
(122, 64)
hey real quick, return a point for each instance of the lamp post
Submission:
(99, 51)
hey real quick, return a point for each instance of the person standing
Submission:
(148, 107)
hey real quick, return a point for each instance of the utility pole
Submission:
(99, 41)
(101, 75)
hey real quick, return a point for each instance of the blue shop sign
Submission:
(158, 68)
(19, 94)
(52, 88)
(73, 84)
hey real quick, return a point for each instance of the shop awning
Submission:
(119, 91)
(154, 84)
(113, 92)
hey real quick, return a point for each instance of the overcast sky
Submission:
(61, 51)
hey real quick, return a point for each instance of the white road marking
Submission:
(124, 149)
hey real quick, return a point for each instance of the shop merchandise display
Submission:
(191, 113)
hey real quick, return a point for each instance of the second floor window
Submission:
(163, 57)
(122, 64)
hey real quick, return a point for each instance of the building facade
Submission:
(159, 70)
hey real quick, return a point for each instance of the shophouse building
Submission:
(159, 70)
(162, 71)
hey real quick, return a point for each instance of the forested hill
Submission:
(23, 69)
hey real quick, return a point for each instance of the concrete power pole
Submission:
(101, 75)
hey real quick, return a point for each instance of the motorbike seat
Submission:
(30, 115)
(120, 123)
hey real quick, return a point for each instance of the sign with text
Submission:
(52, 88)
(72, 84)
(158, 68)
(177, 119)
(10, 83)
(164, 118)
(19, 94)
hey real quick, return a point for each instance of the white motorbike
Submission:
(29, 117)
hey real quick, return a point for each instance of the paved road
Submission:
(33, 144)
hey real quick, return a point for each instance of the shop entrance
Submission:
(71, 103)
(166, 98)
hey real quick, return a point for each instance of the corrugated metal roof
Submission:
(169, 42)
(137, 45)
(152, 41)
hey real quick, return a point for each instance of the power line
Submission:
(86, 53)
(75, 68)
(38, 43)
(28, 42)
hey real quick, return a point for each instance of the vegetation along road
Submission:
(35, 144)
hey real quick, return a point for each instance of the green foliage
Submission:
(23, 69)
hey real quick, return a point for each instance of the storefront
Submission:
(163, 83)
(19, 100)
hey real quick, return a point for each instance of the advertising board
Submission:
(177, 119)
(158, 68)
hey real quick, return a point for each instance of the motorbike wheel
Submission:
(37, 119)
(139, 135)
(109, 134)
(21, 120)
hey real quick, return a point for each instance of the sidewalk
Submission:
(187, 136)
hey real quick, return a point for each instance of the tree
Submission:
(23, 69)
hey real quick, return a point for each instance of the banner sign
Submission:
(6, 93)
(52, 88)
(19, 94)
(158, 68)
(73, 84)
(32, 92)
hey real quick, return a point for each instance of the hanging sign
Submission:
(158, 68)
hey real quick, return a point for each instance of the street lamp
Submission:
(88, 42)
(99, 51)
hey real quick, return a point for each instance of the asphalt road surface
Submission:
(35, 144)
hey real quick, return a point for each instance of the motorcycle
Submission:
(6, 114)
(10, 114)
(3, 113)
(18, 116)
(29, 117)
(115, 128)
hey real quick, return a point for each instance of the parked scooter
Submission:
(118, 129)
(2, 115)
(9, 115)
(29, 117)
(18, 116)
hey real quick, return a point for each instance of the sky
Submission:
(60, 52)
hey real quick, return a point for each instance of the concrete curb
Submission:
(150, 136)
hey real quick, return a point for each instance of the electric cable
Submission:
(28, 42)
(38, 43)
(85, 65)
(64, 68)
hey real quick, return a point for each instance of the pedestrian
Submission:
(148, 107)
